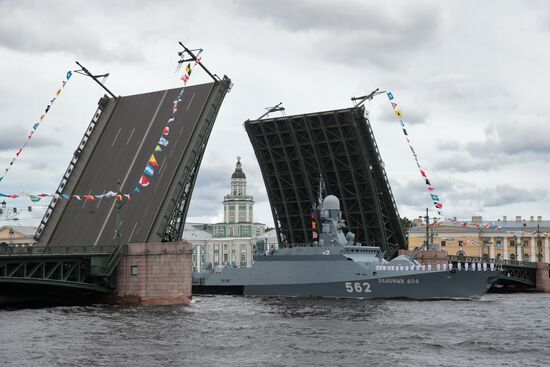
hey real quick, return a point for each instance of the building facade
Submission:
(238, 210)
(519, 239)
(233, 241)
(17, 235)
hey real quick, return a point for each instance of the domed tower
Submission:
(237, 208)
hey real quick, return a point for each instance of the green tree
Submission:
(405, 225)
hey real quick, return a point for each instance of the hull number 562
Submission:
(358, 287)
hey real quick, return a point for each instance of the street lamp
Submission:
(539, 244)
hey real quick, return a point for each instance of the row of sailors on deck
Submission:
(449, 266)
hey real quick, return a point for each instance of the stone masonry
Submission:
(155, 273)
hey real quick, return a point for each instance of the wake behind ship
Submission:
(338, 267)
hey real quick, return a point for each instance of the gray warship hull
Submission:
(335, 276)
(338, 267)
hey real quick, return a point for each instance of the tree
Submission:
(405, 225)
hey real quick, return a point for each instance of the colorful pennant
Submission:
(399, 114)
(36, 125)
(152, 163)
(37, 197)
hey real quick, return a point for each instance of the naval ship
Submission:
(338, 267)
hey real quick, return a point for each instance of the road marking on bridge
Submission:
(191, 101)
(132, 233)
(161, 174)
(131, 166)
(130, 137)
(116, 137)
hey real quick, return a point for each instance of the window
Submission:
(525, 243)
(225, 246)
(242, 213)
(460, 243)
(498, 243)
(443, 243)
(225, 258)
(134, 270)
(231, 214)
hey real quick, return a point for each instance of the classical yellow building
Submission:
(519, 239)
(17, 235)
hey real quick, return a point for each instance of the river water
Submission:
(499, 330)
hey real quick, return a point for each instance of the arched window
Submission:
(461, 256)
(512, 257)
(525, 257)
(486, 258)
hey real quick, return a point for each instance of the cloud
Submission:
(503, 144)
(17, 137)
(506, 194)
(355, 32)
(514, 138)
(23, 24)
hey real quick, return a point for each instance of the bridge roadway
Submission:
(514, 272)
(121, 153)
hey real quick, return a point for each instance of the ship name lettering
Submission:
(398, 281)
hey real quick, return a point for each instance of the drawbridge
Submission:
(111, 157)
(77, 247)
(293, 151)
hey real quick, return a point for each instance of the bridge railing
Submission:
(500, 261)
(12, 250)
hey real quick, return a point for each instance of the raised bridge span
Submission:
(116, 148)
(77, 252)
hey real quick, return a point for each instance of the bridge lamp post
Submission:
(516, 247)
(539, 244)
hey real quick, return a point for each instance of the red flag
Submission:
(166, 131)
(423, 173)
(89, 197)
(430, 188)
(144, 181)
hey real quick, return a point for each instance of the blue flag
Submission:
(149, 170)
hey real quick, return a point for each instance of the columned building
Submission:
(238, 211)
(232, 242)
(519, 239)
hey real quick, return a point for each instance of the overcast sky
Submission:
(471, 78)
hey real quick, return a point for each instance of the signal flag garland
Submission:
(152, 164)
(37, 197)
(399, 115)
(37, 124)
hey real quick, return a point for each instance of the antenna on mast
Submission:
(275, 108)
(358, 101)
(86, 72)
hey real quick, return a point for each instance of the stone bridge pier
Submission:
(543, 277)
(155, 273)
